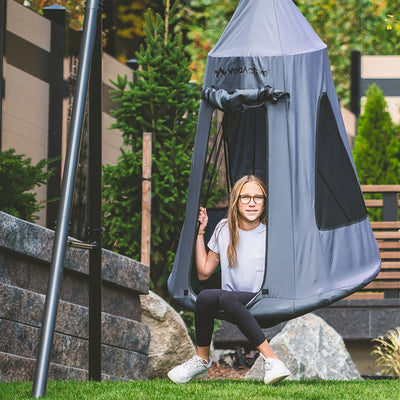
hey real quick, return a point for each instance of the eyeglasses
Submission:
(245, 199)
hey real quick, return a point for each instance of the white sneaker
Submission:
(191, 369)
(275, 370)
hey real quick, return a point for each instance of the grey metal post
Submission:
(61, 236)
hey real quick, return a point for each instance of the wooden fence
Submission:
(387, 233)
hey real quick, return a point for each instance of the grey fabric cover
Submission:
(269, 43)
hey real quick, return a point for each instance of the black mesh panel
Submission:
(338, 198)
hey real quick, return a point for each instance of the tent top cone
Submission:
(270, 108)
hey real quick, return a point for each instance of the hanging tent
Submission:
(270, 108)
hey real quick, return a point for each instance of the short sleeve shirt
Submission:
(248, 275)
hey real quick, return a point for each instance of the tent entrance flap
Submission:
(237, 146)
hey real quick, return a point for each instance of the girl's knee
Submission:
(228, 301)
(206, 298)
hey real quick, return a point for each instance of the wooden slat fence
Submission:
(387, 234)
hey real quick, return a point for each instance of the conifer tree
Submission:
(376, 149)
(162, 101)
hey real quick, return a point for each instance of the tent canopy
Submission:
(270, 108)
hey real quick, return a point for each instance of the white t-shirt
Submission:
(248, 275)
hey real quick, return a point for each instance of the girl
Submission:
(238, 245)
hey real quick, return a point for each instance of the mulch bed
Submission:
(219, 371)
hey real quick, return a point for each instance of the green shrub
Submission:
(18, 177)
(376, 147)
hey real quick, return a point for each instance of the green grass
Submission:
(209, 390)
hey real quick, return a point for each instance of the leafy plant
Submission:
(387, 352)
(18, 177)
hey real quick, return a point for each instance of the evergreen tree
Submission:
(376, 149)
(162, 101)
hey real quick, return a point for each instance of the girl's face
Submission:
(250, 213)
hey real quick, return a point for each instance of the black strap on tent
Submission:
(213, 174)
(244, 99)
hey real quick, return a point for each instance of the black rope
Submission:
(213, 174)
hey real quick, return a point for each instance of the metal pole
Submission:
(94, 205)
(61, 235)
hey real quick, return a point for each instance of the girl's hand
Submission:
(203, 219)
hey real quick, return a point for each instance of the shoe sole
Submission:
(276, 380)
(177, 380)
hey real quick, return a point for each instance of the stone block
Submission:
(36, 242)
(19, 369)
(125, 342)
(27, 307)
(70, 351)
(348, 322)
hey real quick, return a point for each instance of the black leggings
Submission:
(210, 301)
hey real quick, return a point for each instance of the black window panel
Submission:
(246, 133)
(338, 198)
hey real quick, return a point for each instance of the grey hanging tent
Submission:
(270, 108)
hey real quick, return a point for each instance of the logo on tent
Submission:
(241, 70)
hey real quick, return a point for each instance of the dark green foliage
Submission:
(18, 177)
(161, 101)
(376, 148)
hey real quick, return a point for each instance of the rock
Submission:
(170, 343)
(311, 349)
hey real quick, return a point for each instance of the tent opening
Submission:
(237, 146)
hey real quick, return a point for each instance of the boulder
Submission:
(170, 343)
(311, 349)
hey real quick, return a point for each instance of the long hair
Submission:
(233, 215)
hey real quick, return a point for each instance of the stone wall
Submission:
(25, 256)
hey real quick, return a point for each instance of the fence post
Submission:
(355, 82)
(390, 213)
(94, 204)
(146, 199)
(57, 15)
(390, 207)
(3, 23)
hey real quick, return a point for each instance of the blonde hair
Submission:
(233, 215)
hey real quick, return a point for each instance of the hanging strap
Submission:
(213, 174)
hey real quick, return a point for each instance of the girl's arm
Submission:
(206, 263)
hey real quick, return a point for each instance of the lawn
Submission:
(209, 390)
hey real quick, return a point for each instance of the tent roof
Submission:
(266, 28)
